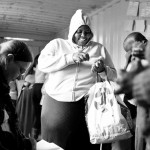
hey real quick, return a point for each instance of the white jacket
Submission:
(68, 81)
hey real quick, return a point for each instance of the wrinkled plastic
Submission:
(108, 118)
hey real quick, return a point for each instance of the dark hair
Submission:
(131, 38)
(137, 36)
(18, 48)
(36, 60)
(31, 68)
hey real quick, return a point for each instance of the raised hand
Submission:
(80, 57)
(98, 66)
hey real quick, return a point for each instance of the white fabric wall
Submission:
(108, 28)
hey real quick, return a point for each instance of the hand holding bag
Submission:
(104, 117)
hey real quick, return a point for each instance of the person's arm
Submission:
(2, 147)
(141, 88)
(53, 59)
(108, 64)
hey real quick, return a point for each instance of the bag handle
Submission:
(99, 79)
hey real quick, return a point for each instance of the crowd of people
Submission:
(44, 97)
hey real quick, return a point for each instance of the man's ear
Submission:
(10, 58)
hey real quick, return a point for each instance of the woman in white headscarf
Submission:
(72, 66)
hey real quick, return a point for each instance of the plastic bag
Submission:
(104, 117)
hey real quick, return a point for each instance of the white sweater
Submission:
(68, 81)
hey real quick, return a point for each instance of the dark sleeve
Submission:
(18, 142)
(2, 147)
(21, 142)
(24, 143)
(5, 138)
(1, 115)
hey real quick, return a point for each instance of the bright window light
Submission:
(21, 39)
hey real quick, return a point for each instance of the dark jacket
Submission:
(13, 140)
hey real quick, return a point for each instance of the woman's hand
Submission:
(80, 57)
(98, 66)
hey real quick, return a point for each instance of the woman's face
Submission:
(82, 35)
(15, 69)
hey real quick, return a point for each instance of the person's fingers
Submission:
(93, 68)
(81, 57)
(87, 56)
(96, 64)
(77, 59)
(99, 64)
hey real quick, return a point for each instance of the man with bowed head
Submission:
(72, 66)
(15, 58)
